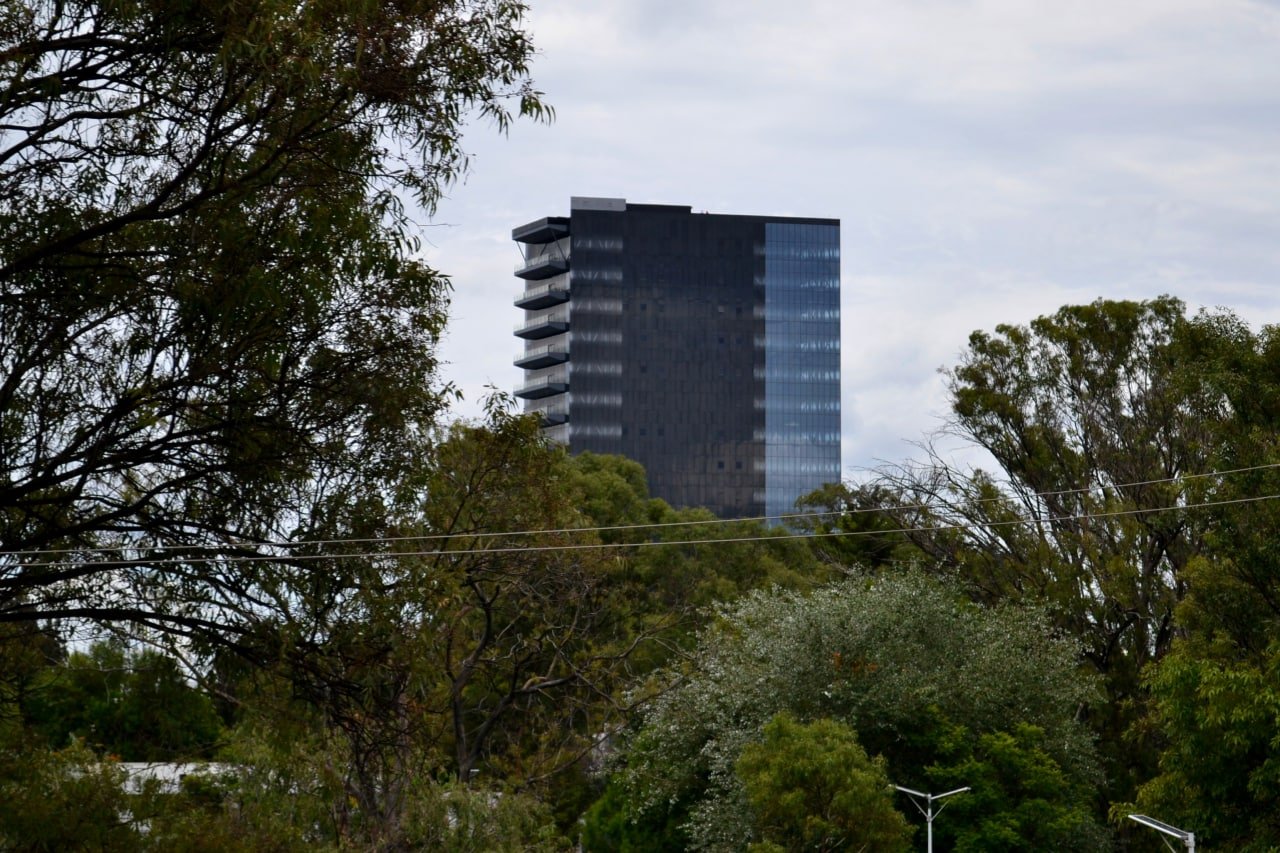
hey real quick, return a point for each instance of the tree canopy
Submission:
(1106, 424)
(813, 787)
(901, 660)
(214, 334)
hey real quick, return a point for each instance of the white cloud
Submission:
(990, 161)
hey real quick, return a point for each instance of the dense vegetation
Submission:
(551, 655)
(1133, 497)
(486, 667)
(937, 688)
(236, 525)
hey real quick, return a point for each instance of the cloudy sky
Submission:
(989, 162)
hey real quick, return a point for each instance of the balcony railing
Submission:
(545, 295)
(543, 327)
(555, 414)
(544, 356)
(543, 266)
(548, 386)
(552, 261)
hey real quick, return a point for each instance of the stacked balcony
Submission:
(544, 260)
(554, 414)
(543, 326)
(550, 355)
(545, 293)
(544, 267)
(544, 386)
(541, 231)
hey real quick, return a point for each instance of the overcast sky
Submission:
(989, 162)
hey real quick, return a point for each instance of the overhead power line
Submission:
(601, 546)
(789, 517)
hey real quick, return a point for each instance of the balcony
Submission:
(542, 230)
(544, 295)
(555, 415)
(543, 260)
(545, 356)
(543, 327)
(543, 266)
(547, 386)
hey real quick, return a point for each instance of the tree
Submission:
(491, 650)
(1214, 703)
(813, 787)
(687, 561)
(63, 800)
(856, 526)
(1214, 706)
(900, 659)
(535, 635)
(26, 653)
(73, 799)
(1132, 497)
(213, 332)
(1102, 420)
(1219, 769)
(1020, 798)
(135, 705)
(481, 658)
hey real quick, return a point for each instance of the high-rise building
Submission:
(704, 346)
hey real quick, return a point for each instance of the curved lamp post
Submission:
(1187, 838)
(927, 809)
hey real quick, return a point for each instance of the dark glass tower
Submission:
(705, 347)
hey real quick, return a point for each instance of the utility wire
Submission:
(427, 537)
(601, 546)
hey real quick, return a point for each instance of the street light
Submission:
(1187, 838)
(927, 808)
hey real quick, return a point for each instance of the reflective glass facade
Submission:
(706, 347)
(802, 361)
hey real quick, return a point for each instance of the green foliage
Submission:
(689, 578)
(215, 330)
(1096, 416)
(136, 706)
(494, 653)
(1214, 702)
(392, 681)
(26, 652)
(615, 493)
(697, 576)
(1220, 766)
(888, 656)
(73, 800)
(812, 787)
(63, 800)
(298, 782)
(852, 528)
(1021, 797)
(527, 644)
(455, 819)
(1083, 410)
(1106, 422)
(609, 826)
